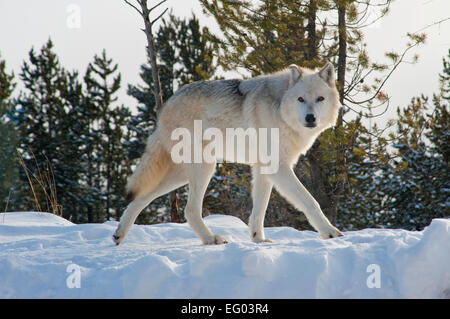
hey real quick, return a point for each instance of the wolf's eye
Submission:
(301, 99)
(320, 99)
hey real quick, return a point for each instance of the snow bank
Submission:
(43, 255)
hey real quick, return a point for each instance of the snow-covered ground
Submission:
(45, 256)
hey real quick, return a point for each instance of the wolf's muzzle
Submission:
(310, 120)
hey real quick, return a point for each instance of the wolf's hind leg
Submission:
(129, 216)
(199, 176)
(261, 189)
(174, 179)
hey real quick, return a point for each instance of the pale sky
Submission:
(113, 25)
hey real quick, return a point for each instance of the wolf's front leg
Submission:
(261, 189)
(290, 187)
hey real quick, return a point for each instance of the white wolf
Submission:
(300, 102)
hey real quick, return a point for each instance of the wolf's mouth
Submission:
(311, 125)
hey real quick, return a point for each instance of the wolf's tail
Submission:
(152, 168)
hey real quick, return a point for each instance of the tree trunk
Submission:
(342, 64)
(152, 55)
(318, 184)
(342, 58)
(174, 215)
(157, 92)
(311, 27)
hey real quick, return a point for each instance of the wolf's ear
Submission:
(296, 74)
(327, 74)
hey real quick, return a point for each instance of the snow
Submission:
(40, 254)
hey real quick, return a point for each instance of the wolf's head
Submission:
(312, 100)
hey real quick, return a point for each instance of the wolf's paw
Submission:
(330, 232)
(262, 240)
(118, 236)
(258, 237)
(215, 240)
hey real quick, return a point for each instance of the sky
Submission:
(80, 29)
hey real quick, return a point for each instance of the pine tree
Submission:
(362, 201)
(106, 159)
(408, 186)
(418, 188)
(8, 139)
(45, 114)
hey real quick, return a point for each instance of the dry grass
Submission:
(42, 182)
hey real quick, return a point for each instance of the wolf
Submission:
(299, 102)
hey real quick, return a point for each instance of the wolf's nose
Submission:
(310, 119)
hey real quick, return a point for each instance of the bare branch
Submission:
(367, 116)
(157, 5)
(133, 6)
(432, 24)
(400, 60)
(159, 16)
